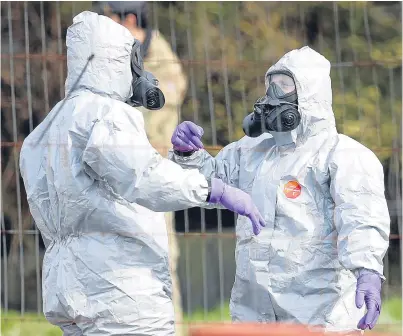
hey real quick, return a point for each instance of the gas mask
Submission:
(277, 111)
(144, 85)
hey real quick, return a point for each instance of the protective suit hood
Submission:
(109, 73)
(311, 72)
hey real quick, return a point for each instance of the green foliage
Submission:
(232, 44)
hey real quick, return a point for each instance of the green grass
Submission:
(36, 325)
(217, 314)
(394, 308)
(13, 324)
(391, 317)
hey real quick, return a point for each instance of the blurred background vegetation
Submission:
(226, 48)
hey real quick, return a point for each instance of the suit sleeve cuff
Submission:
(183, 154)
(358, 271)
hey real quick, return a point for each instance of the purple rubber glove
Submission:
(369, 291)
(186, 137)
(237, 201)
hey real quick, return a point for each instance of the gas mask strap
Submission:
(136, 59)
(145, 91)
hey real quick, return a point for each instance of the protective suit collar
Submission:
(311, 72)
(109, 73)
(284, 138)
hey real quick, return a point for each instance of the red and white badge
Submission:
(292, 189)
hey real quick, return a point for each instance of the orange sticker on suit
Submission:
(292, 189)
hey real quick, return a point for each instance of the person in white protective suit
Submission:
(93, 181)
(319, 258)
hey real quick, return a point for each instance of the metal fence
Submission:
(224, 49)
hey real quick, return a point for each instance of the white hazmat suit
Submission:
(105, 271)
(322, 197)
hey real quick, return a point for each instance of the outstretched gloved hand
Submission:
(186, 137)
(369, 291)
(237, 201)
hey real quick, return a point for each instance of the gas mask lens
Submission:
(283, 82)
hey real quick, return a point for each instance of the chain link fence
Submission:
(225, 49)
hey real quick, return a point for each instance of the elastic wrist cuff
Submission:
(183, 154)
(217, 190)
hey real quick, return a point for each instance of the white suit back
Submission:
(92, 183)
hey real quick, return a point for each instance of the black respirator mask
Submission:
(144, 86)
(277, 111)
